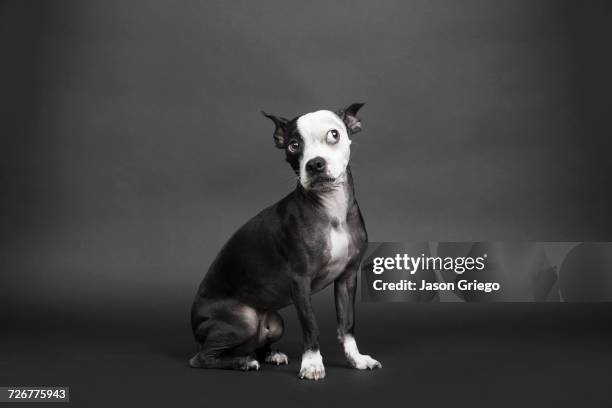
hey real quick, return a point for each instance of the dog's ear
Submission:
(280, 133)
(349, 116)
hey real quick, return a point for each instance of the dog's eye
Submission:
(333, 136)
(294, 147)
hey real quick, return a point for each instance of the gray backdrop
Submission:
(132, 146)
(132, 143)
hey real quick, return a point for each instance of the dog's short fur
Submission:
(298, 246)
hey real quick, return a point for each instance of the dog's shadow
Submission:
(175, 342)
(179, 349)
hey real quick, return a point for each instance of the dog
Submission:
(313, 237)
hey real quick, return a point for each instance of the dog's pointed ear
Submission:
(280, 133)
(349, 116)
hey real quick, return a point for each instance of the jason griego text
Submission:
(423, 285)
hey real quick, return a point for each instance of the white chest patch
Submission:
(336, 203)
(339, 246)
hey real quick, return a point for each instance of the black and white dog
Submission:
(298, 246)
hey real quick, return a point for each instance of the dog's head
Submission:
(318, 145)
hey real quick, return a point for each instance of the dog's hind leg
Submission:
(228, 340)
(270, 331)
(224, 362)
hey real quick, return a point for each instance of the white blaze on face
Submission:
(313, 128)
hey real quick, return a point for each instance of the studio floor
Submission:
(434, 355)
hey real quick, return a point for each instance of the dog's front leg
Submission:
(345, 288)
(312, 363)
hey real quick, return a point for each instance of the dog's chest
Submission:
(338, 240)
(338, 244)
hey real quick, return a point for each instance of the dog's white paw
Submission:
(358, 360)
(362, 362)
(276, 357)
(312, 371)
(251, 364)
(312, 366)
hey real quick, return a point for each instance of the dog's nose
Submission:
(315, 166)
